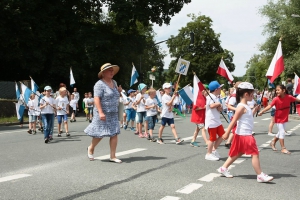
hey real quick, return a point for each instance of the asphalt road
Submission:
(31, 169)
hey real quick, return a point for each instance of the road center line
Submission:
(264, 145)
(187, 138)
(239, 161)
(121, 153)
(170, 198)
(13, 177)
(189, 188)
(209, 177)
(266, 119)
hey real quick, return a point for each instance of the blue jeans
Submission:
(151, 122)
(48, 121)
(130, 114)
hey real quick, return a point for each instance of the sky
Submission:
(238, 22)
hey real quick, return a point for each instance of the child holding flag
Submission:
(167, 114)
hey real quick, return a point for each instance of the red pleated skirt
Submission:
(243, 144)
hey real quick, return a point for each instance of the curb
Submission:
(12, 123)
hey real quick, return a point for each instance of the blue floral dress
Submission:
(109, 99)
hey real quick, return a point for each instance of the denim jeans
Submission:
(48, 121)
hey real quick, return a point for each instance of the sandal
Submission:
(285, 151)
(90, 156)
(273, 146)
(115, 160)
(67, 134)
(59, 135)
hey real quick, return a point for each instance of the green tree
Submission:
(204, 55)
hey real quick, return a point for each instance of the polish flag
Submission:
(197, 92)
(277, 65)
(223, 71)
(296, 85)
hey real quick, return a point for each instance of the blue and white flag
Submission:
(72, 80)
(18, 93)
(34, 86)
(271, 85)
(20, 110)
(134, 76)
(186, 94)
(158, 98)
(26, 92)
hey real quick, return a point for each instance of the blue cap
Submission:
(131, 90)
(141, 86)
(214, 85)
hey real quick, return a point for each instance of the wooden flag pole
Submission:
(177, 83)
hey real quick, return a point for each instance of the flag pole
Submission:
(177, 84)
(213, 100)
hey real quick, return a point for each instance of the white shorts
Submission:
(281, 130)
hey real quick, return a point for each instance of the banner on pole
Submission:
(152, 77)
(182, 66)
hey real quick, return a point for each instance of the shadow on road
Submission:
(134, 159)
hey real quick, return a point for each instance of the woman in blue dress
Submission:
(105, 121)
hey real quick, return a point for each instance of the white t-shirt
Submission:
(32, 107)
(62, 102)
(245, 123)
(165, 109)
(150, 102)
(212, 115)
(176, 101)
(141, 105)
(76, 96)
(85, 103)
(130, 100)
(251, 104)
(49, 108)
(89, 102)
(73, 104)
(266, 94)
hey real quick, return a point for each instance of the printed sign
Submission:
(152, 77)
(182, 66)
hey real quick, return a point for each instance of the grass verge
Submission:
(7, 120)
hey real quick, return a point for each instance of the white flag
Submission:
(72, 80)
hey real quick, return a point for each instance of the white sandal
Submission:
(90, 156)
(115, 160)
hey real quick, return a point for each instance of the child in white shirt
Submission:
(167, 114)
(32, 108)
(152, 108)
(73, 105)
(62, 107)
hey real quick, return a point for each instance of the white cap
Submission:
(245, 85)
(47, 88)
(166, 85)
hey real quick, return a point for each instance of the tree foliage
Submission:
(280, 23)
(204, 55)
(45, 38)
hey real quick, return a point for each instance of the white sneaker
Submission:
(225, 172)
(271, 134)
(211, 157)
(262, 178)
(286, 133)
(216, 154)
(253, 133)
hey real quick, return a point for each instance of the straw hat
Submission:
(107, 66)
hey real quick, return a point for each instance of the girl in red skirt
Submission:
(243, 141)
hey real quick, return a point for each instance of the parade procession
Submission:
(131, 127)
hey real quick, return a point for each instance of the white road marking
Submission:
(231, 166)
(255, 122)
(246, 156)
(120, 153)
(209, 177)
(23, 130)
(189, 188)
(264, 145)
(269, 141)
(293, 129)
(13, 177)
(170, 198)
(239, 161)
(266, 119)
(258, 150)
(289, 131)
(187, 138)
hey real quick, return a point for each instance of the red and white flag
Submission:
(198, 97)
(296, 85)
(223, 71)
(277, 65)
